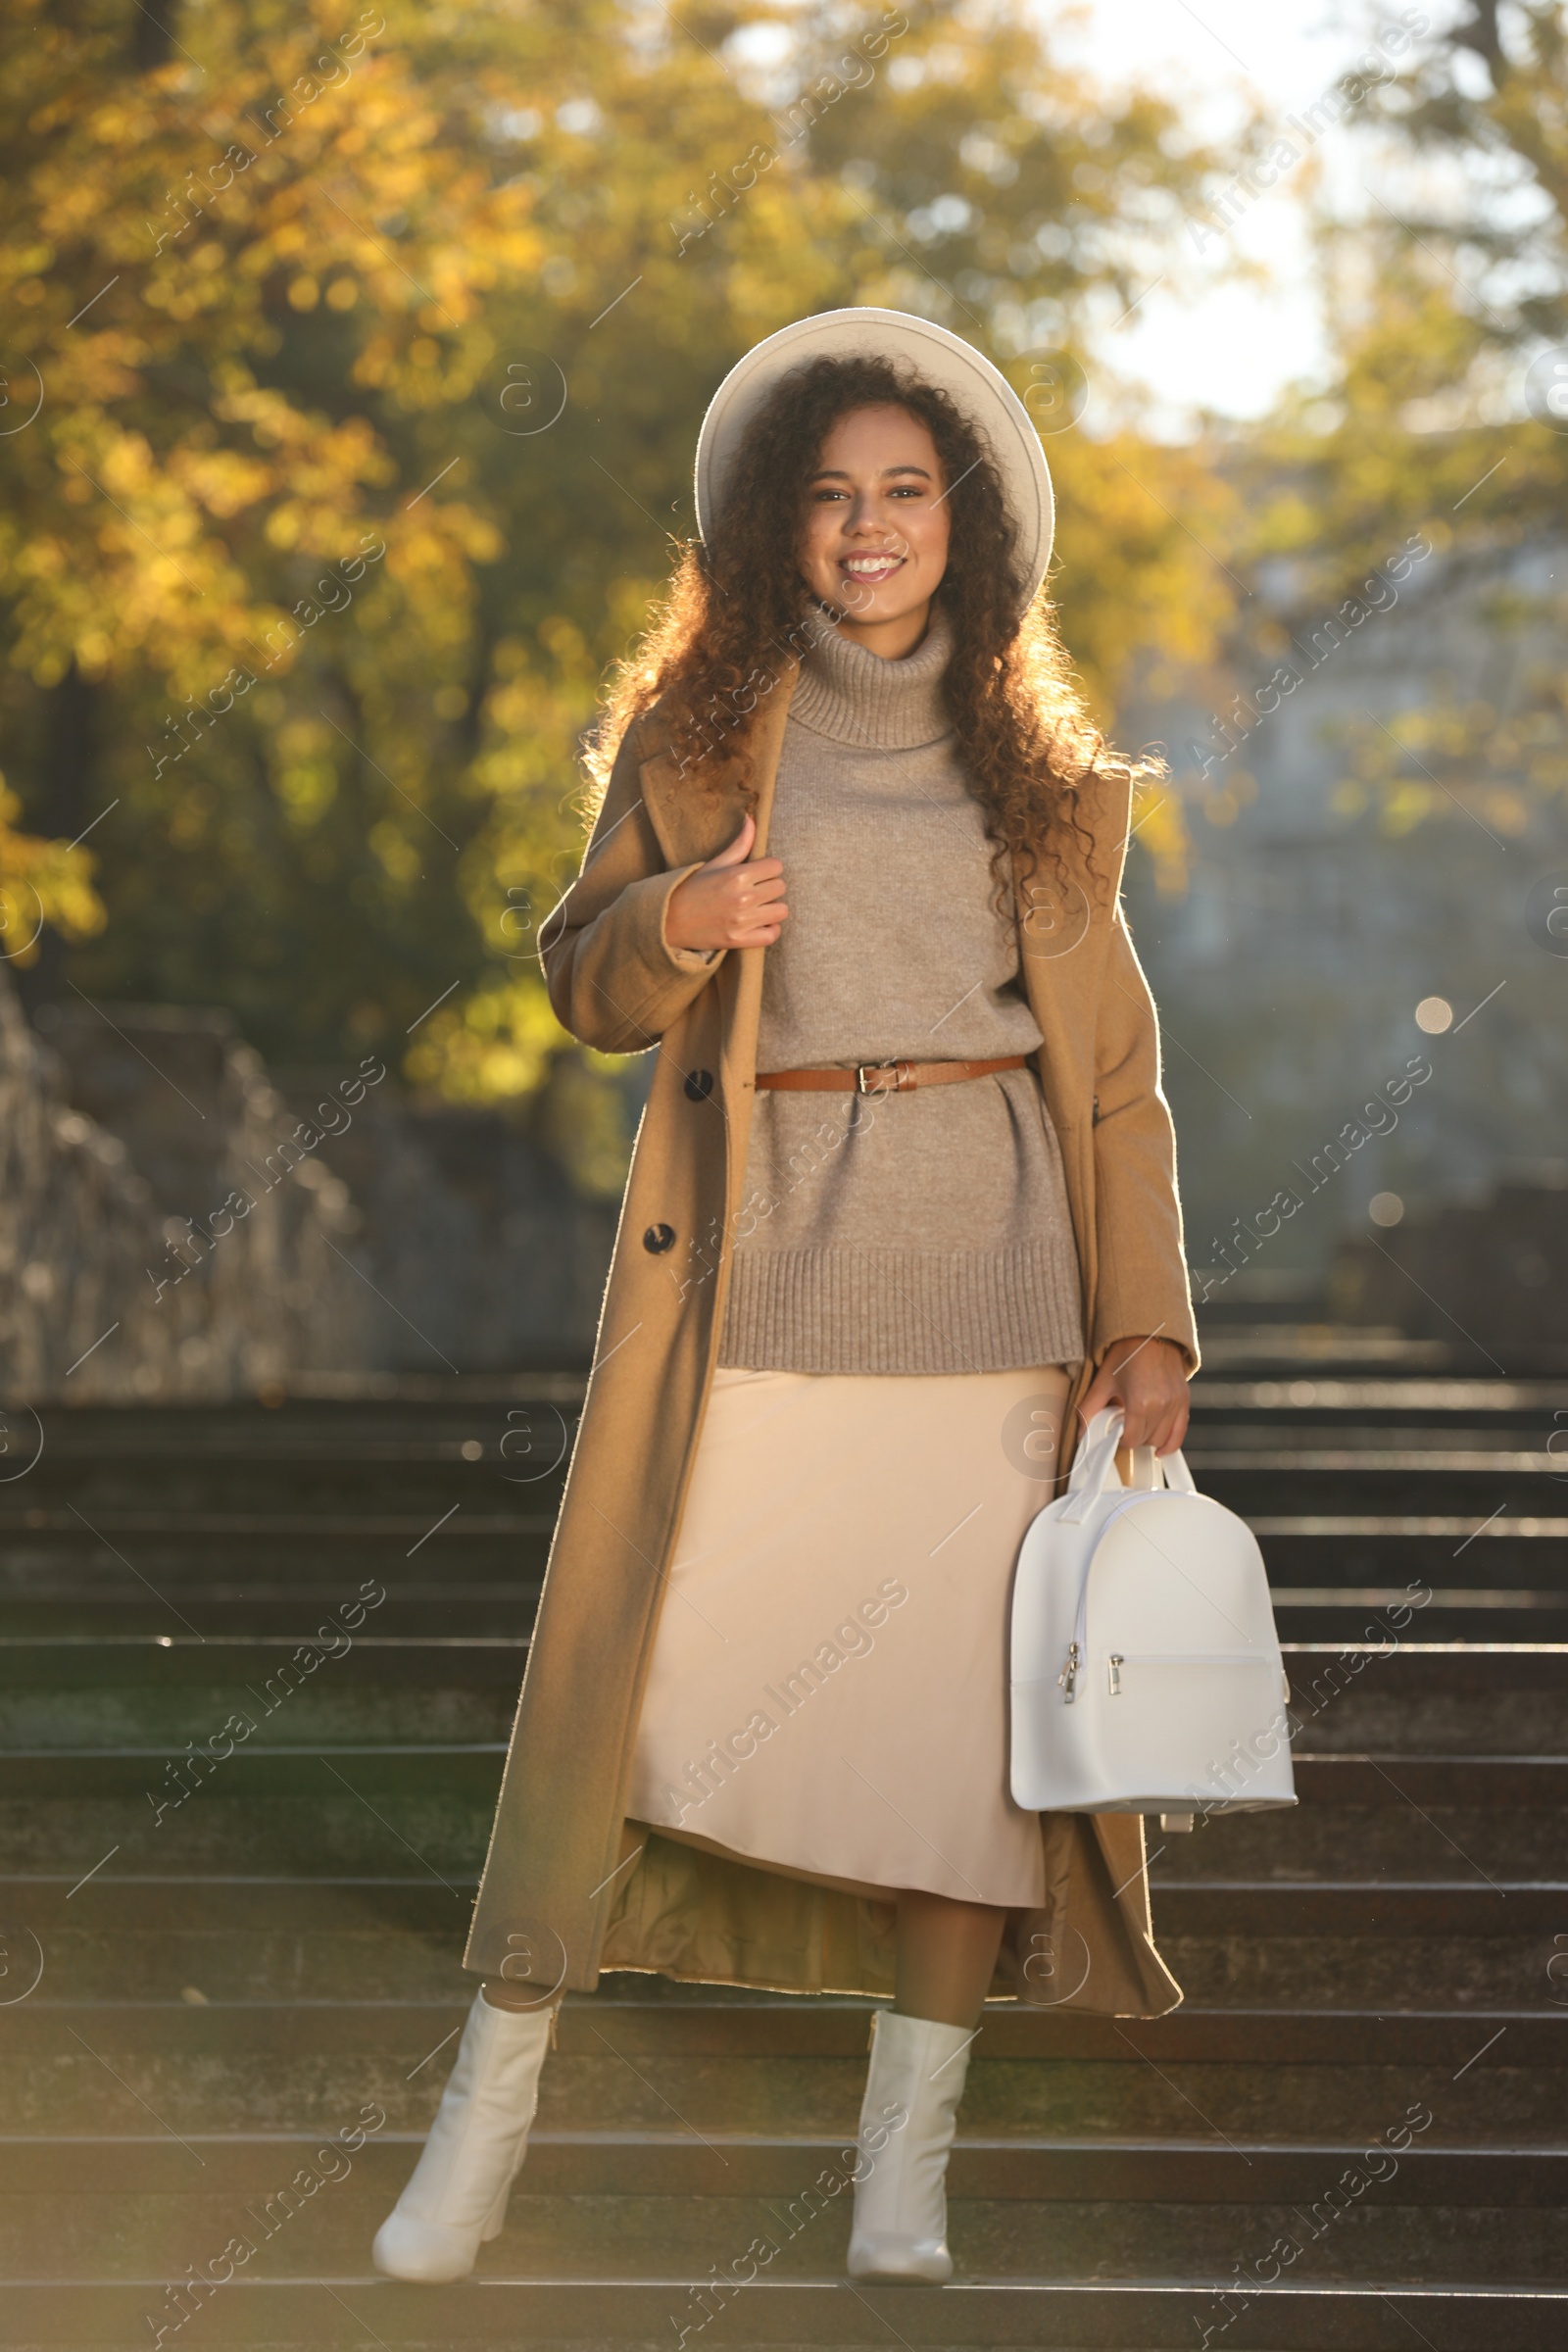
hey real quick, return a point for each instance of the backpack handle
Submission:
(1094, 1468)
(1178, 1478)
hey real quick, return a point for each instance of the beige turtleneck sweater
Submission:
(925, 1231)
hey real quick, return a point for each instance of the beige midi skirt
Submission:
(828, 1688)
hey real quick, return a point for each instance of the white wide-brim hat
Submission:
(979, 390)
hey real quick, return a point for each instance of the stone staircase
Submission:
(257, 1668)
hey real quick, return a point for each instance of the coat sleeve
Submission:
(614, 981)
(1142, 1285)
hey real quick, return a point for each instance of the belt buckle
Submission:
(861, 1085)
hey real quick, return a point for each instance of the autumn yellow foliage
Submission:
(353, 360)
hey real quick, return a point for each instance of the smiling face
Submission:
(874, 543)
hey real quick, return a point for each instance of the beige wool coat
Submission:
(570, 1887)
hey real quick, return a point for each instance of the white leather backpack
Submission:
(1146, 1667)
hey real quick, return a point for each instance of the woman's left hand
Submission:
(1148, 1378)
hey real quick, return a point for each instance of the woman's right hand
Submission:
(734, 900)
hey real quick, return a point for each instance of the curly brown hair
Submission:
(734, 616)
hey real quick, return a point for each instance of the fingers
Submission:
(1148, 1426)
(749, 903)
(1147, 1380)
(1157, 1416)
(1176, 1431)
(739, 848)
(730, 902)
(738, 891)
(748, 920)
(1146, 1401)
(761, 934)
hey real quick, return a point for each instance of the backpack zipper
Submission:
(1078, 1646)
(1186, 1657)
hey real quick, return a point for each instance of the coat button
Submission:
(659, 1238)
(699, 1085)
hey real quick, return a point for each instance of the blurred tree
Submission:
(42, 883)
(1448, 417)
(355, 364)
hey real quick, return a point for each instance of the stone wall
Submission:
(160, 1237)
(482, 1251)
(228, 1229)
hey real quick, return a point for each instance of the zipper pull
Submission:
(1115, 1672)
(1067, 1679)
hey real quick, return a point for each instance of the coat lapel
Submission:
(693, 818)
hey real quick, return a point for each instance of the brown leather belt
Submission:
(887, 1077)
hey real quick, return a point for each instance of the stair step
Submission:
(190, 1530)
(310, 1714)
(470, 1769)
(239, 1742)
(1412, 1529)
(243, 1904)
(1463, 1780)
(1415, 1666)
(349, 1832)
(1446, 1668)
(94, 1661)
(263, 1766)
(766, 2027)
(1217, 1906)
(1351, 1907)
(1070, 2313)
(501, 1607)
(1214, 1457)
(800, 2232)
(1476, 1507)
(1326, 1395)
(715, 2164)
(1321, 1619)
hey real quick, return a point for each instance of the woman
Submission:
(901, 1218)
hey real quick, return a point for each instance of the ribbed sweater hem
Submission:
(902, 1310)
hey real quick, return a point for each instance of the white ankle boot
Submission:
(901, 2206)
(456, 2198)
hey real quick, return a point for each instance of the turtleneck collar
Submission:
(856, 697)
